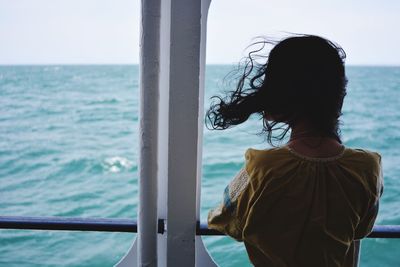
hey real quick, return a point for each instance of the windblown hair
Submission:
(302, 78)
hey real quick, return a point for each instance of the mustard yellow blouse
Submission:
(292, 210)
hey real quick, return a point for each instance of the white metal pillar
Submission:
(144, 249)
(182, 139)
(148, 132)
(183, 44)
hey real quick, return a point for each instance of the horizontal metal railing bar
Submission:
(68, 224)
(130, 226)
(385, 231)
(202, 229)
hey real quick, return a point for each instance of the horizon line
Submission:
(136, 64)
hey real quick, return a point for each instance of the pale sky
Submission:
(107, 31)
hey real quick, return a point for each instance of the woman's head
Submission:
(303, 80)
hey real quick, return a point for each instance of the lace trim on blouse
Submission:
(317, 159)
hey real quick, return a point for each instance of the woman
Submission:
(304, 203)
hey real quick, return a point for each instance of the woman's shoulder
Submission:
(262, 155)
(366, 162)
(363, 157)
(282, 157)
(271, 158)
(369, 165)
(277, 153)
(361, 152)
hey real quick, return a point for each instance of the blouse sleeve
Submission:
(229, 215)
(366, 224)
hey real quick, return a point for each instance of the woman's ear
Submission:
(275, 118)
(280, 118)
(268, 117)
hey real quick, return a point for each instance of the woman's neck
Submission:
(309, 142)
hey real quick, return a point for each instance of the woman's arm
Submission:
(229, 215)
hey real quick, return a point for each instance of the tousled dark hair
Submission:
(302, 78)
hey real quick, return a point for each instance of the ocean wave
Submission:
(117, 164)
(104, 101)
(75, 166)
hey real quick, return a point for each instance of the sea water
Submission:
(69, 147)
